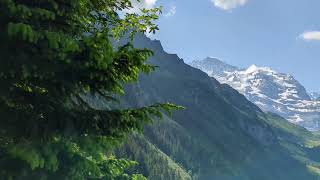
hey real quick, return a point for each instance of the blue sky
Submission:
(281, 34)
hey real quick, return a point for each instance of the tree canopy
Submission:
(52, 54)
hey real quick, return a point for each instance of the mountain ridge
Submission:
(272, 91)
(220, 135)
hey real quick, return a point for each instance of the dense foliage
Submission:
(54, 53)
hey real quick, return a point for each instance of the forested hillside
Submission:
(71, 107)
(220, 134)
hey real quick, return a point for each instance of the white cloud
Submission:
(172, 11)
(310, 36)
(229, 4)
(148, 4)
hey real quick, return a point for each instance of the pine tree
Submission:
(53, 53)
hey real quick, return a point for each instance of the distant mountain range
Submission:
(272, 91)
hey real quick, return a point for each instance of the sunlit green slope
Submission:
(220, 135)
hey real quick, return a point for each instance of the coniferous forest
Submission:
(85, 94)
(53, 53)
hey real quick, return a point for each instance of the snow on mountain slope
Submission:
(272, 91)
(315, 95)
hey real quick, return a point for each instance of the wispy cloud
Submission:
(310, 36)
(137, 5)
(150, 3)
(172, 11)
(229, 4)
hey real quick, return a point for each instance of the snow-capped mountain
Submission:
(272, 91)
(315, 95)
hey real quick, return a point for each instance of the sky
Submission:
(281, 34)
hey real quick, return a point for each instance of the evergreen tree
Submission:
(53, 53)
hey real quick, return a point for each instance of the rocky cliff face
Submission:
(272, 91)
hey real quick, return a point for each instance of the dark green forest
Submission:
(84, 94)
(53, 54)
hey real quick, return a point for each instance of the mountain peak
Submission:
(213, 59)
(213, 65)
(255, 68)
(252, 68)
(272, 91)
